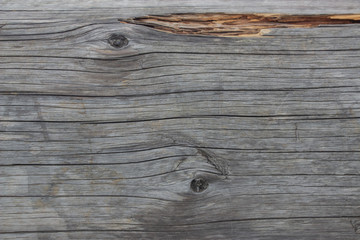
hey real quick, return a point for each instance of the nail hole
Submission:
(117, 40)
(199, 184)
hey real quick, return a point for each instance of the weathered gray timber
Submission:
(102, 142)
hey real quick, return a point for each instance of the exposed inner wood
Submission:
(236, 25)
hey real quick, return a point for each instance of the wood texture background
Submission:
(102, 143)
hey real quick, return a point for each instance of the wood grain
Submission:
(102, 141)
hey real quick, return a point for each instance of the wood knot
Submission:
(199, 184)
(117, 40)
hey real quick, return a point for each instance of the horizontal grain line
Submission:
(85, 230)
(280, 117)
(56, 69)
(295, 174)
(140, 177)
(265, 52)
(165, 118)
(270, 218)
(50, 33)
(24, 93)
(244, 103)
(93, 164)
(61, 57)
(63, 181)
(285, 152)
(283, 68)
(312, 37)
(101, 153)
(188, 224)
(326, 137)
(237, 75)
(128, 178)
(169, 200)
(213, 69)
(84, 196)
(36, 23)
(244, 150)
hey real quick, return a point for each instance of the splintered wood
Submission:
(236, 25)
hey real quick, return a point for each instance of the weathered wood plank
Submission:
(98, 142)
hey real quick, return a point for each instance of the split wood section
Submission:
(236, 25)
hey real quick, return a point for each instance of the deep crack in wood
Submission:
(236, 25)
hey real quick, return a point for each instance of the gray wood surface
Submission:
(98, 142)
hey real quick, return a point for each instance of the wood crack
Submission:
(218, 162)
(236, 25)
